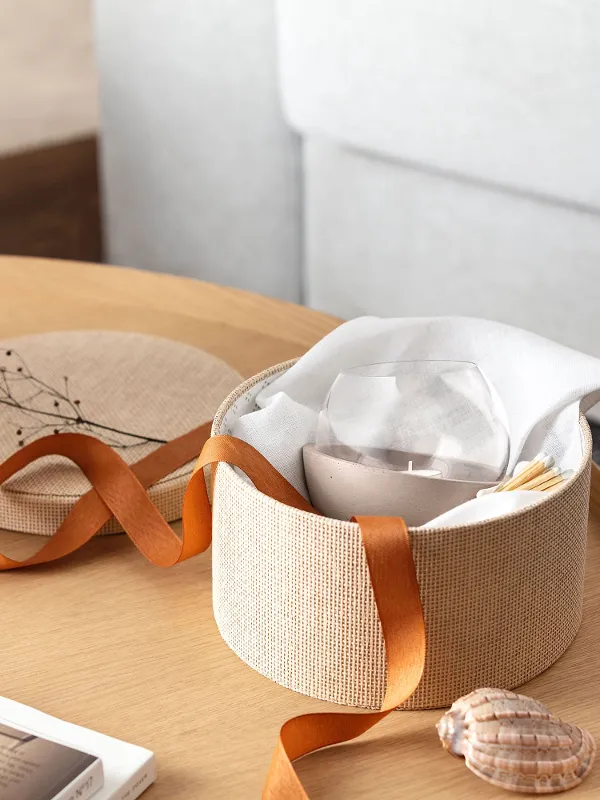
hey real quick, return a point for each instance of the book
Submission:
(127, 769)
(35, 768)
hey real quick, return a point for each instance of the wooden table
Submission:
(108, 641)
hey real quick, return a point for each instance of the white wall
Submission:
(201, 173)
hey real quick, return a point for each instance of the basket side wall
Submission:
(292, 597)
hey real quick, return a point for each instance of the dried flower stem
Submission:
(11, 378)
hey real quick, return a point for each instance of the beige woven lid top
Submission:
(130, 390)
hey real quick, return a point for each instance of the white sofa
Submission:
(364, 156)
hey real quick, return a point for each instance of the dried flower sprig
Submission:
(51, 409)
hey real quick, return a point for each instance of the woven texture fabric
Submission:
(502, 599)
(127, 389)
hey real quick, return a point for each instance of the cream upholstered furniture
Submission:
(48, 86)
(48, 121)
(365, 156)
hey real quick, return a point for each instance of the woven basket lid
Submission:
(130, 390)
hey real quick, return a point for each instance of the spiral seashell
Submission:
(516, 743)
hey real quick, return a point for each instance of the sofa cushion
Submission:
(504, 92)
(394, 241)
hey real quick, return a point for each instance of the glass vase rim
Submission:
(461, 361)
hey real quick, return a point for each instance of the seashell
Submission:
(516, 743)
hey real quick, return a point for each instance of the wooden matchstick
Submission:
(536, 468)
(543, 478)
(554, 482)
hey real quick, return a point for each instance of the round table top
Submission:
(106, 640)
(248, 331)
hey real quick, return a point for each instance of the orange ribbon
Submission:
(120, 490)
(392, 573)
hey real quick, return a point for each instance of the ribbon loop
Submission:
(121, 490)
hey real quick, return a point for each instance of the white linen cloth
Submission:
(541, 384)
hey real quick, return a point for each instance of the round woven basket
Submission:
(130, 390)
(502, 599)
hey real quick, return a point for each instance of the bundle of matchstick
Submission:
(539, 475)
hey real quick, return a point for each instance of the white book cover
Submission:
(128, 769)
(33, 767)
